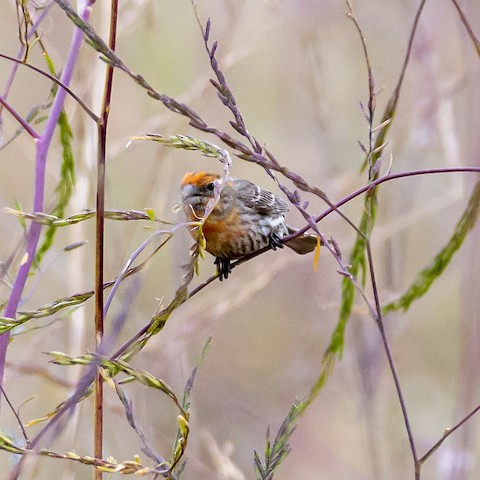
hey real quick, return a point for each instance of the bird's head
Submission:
(197, 189)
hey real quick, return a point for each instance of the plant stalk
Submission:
(100, 238)
(42, 147)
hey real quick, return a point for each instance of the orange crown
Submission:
(199, 179)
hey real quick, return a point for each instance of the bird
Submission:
(245, 219)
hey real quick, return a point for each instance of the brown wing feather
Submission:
(260, 199)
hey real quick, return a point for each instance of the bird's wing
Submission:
(260, 199)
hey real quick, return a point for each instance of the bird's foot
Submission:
(275, 241)
(223, 267)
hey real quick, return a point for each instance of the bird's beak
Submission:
(190, 195)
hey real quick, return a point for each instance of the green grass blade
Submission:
(440, 262)
(65, 185)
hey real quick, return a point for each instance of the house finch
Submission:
(245, 219)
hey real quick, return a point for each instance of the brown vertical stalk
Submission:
(99, 235)
(98, 396)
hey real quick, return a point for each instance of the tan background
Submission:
(298, 74)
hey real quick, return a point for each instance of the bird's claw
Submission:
(275, 241)
(223, 267)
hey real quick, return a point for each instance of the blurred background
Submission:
(298, 72)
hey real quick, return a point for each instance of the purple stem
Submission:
(18, 118)
(378, 181)
(42, 146)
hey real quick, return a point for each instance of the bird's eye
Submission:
(210, 187)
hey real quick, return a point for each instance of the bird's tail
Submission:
(303, 243)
